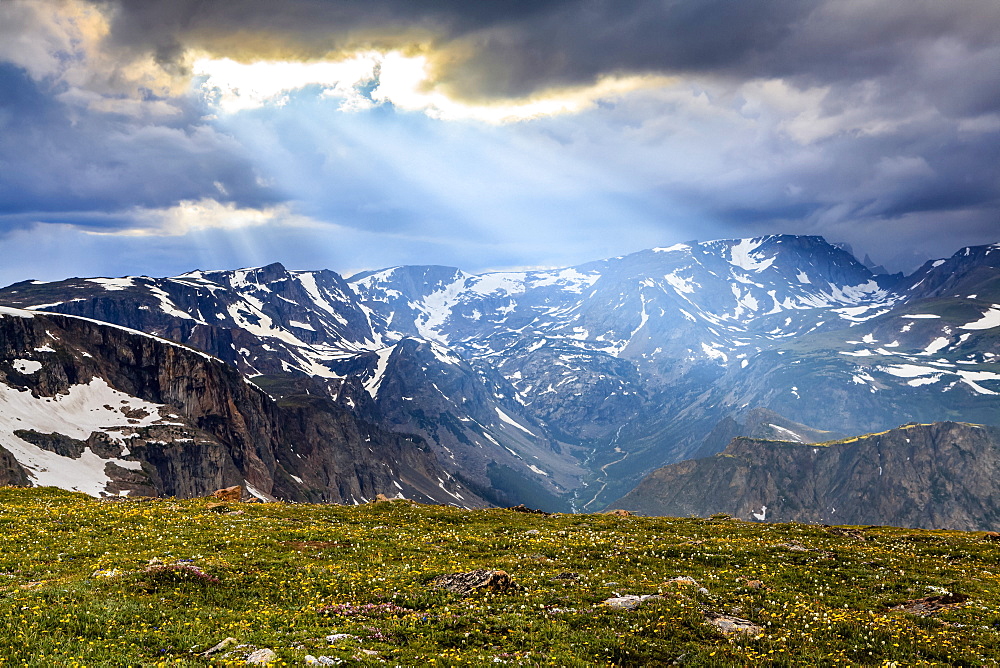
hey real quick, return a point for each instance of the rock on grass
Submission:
(476, 580)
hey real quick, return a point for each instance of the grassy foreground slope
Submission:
(156, 582)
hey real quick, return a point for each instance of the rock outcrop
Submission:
(12, 474)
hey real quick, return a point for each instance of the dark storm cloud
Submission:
(304, 28)
(515, 47)
(505, 48)
(814, 43)
(917, 69)
(56, 159)
(578, 43)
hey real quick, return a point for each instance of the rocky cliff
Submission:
(940, 475)
(106, 410)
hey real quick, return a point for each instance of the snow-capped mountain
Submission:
(262, 320)
(586, 347)
(734, 292)
(573, 383)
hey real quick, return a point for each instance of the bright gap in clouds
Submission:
(371, 78)
(234, 86)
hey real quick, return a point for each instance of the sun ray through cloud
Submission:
(658, 121)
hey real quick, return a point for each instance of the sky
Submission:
(142, 137)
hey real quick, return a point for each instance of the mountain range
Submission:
(563, 388)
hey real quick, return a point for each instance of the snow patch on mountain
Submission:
(435, 309)
(742, 255)
(676, 248)
(308, 281)
(15, 312)
(570, 280)
(509, 283)
(787, 433)
(112, 284)
(509, 420)
(28, 367)
(936, 345)
(241, 278)
(973, 378)
(373, 383)
(84, 409)
(712, 351)
(681, 284)
(989, 320)
(919, 375)
(444, 354)
(168, 307)
(861, 313)
(197, 280)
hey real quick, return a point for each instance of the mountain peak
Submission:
(266, 274)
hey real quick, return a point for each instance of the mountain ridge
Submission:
(107, 410)
(916, 475)
(589, 377)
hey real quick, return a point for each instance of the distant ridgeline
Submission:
(558, 389)
(932, 476)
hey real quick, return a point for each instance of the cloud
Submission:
(515, 48)
(68, 45)
(233, 86)
(44, 38)
(364, 80)
(504, 50)
(629, 123)
(189, 216)
(57, 158)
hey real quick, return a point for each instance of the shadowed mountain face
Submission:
(569, 385)
(109, 411)
(932, 476)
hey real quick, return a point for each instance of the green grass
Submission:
(75, 589)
